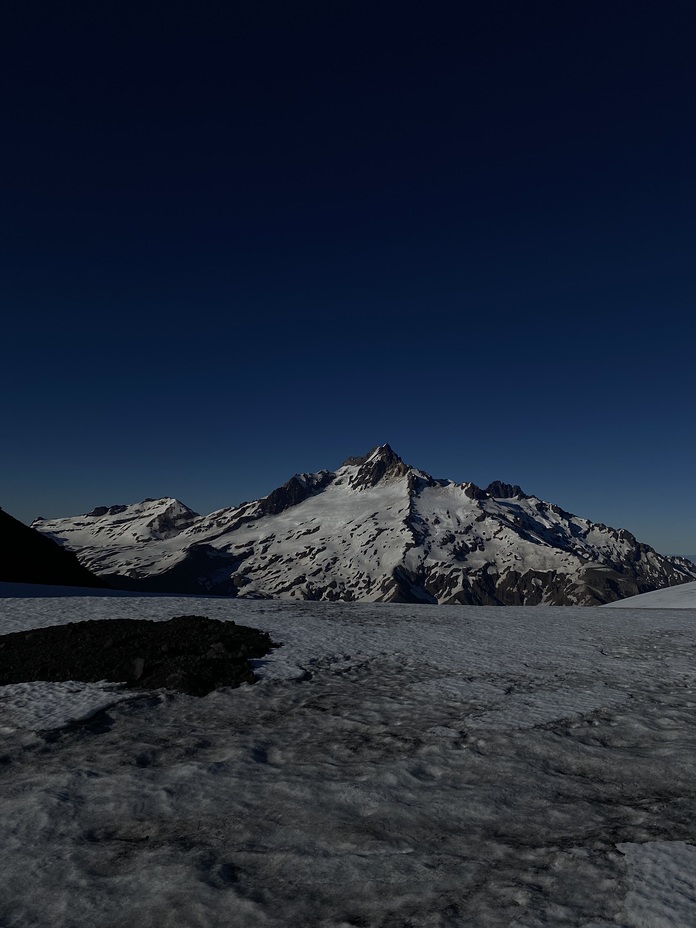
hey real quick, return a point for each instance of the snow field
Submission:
(674, 597)
(397, 766)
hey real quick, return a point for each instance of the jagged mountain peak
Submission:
(383, 452)
(363, 471)
(499, 490)
(379, 451)
(382, 463)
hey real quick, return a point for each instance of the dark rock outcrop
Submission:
(189, 653)
(99, 511)
(499, 490)
(295, 491)
(382, 462)
(27, 556)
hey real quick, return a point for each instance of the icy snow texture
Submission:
(663, 884)
(43, 705)
(397, 766)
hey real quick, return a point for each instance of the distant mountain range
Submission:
(27, 556)
(377, 530)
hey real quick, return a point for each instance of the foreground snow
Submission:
(396, 766)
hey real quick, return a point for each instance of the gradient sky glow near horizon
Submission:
(243, 241)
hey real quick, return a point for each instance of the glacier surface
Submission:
(395, 766)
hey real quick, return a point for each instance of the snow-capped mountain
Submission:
(378, 530)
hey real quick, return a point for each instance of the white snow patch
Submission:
(41, 705)
(674, 597)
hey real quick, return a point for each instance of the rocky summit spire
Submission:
(380, 464)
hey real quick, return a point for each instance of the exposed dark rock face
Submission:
(108, 510)
(27, 556)
(405, 586)
(499, 490)
(473, 492)
(380, 463)
(190, 654)
(295, 491)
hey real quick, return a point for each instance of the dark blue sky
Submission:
(241, 240)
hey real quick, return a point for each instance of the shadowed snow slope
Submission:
(395, 766)
(375, 530)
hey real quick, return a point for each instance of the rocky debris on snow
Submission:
(189, 653)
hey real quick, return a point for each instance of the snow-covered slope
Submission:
(678, 597)
(376, 530)
(115, 539)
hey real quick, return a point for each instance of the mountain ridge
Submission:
(376, 529)
(29, 556)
